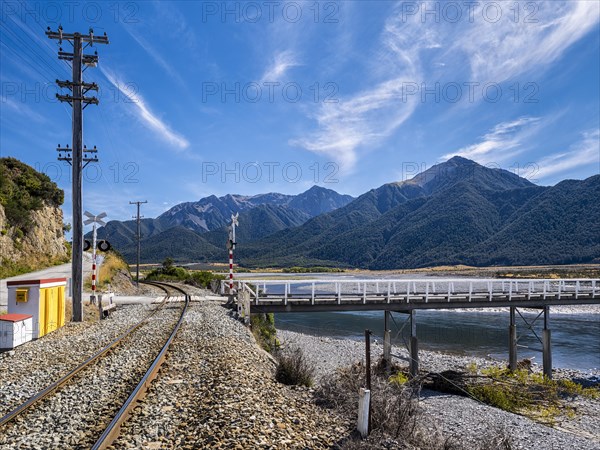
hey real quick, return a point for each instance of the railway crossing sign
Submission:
(94, 219)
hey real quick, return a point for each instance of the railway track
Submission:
(88, 405)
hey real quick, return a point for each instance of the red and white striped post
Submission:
(94, 264)
(94, 220)
(230, 270)
(231, 246)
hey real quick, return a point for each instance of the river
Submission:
(575, 337)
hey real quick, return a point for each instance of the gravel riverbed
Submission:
(459, 416)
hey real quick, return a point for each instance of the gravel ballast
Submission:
(32, 366)
(76, 415)
(217, 390)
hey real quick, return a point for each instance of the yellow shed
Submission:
(43, 299)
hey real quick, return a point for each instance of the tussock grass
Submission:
(294, 369)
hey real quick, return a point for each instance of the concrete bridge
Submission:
(409, 295)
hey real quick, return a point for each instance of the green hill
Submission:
(31, 221)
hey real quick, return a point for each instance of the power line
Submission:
(75, 156)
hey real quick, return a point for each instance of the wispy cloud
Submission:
(280, 64)
(371, 115)
(155, 54)
(502, 142)
(146, 115)
(584, 152)
(500, 50)
(22, 109)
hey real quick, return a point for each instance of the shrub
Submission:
(23, 190)
(294, 369)
(399, 378)
(263, 329)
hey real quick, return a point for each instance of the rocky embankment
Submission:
(43, 244)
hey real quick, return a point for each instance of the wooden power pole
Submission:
(78, 154)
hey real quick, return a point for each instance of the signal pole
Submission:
(139, 237)
(231, 246)
(75, 155)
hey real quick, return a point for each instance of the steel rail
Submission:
(44, 393)
(112, 430)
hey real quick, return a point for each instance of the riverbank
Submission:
(462, 417)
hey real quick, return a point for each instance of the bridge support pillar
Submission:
(546, 344)
(387, 340)
(512, 341)
(414, 345)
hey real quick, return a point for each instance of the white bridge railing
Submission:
(412, 290)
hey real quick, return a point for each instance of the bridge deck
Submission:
(406, 295)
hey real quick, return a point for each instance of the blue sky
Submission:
(251, 97)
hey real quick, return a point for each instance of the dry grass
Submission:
(90, 312)
(395, 413)
(112, 264)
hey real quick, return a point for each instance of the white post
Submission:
(312, 297)
(364, 400)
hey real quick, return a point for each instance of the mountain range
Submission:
(456, 212)
(178, 230)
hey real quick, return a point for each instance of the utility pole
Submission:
(75, 156)
(139, 237)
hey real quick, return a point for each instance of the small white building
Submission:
(43, 299)
(15, 329)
